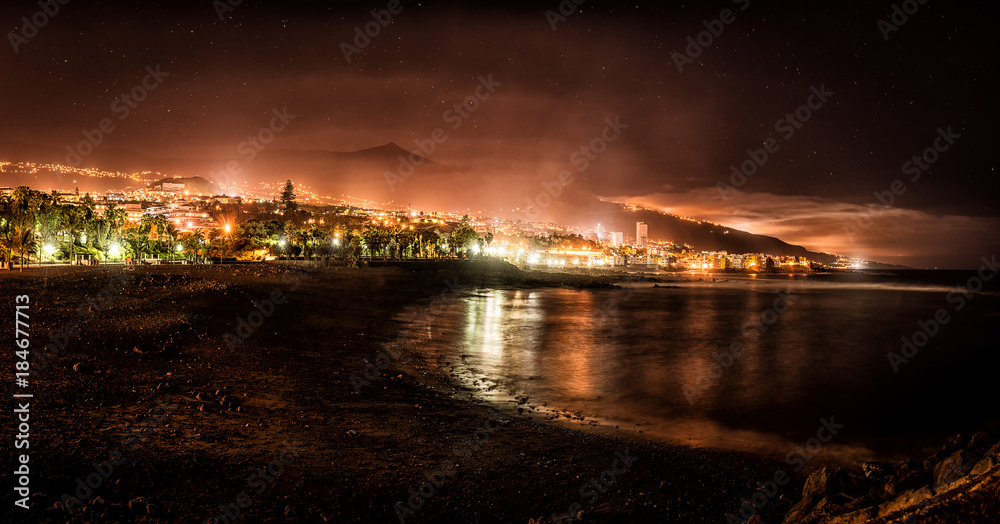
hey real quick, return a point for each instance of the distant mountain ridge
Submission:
(389, 173)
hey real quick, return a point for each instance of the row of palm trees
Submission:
(35, 224)
(38, 225)
(352, 242)
(33, 221)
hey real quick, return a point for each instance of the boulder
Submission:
(857, 517)
(800, 511)
(907, 466)
(827, 482)
(988, 463)
(909, 481)
(931, 461)
(939, 489)
(952, 468)
(837, 505)
(980, 440)
(958, 441)
(906, 500)
(883, 490)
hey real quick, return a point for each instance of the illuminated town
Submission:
(178, 222)
(446, 262)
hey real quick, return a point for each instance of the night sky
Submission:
(603, 60)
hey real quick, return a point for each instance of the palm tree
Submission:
(6, 227)
(193, 242)
(464, 237)
(136, 241)
(23, 241)
(429, 241)
(101, 235)
(376, 239)
(74, 221)
(117, 217)
(171, 234)
(19, 232)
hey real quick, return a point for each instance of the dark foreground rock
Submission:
(962, 472)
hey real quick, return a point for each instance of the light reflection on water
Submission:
(642, 356)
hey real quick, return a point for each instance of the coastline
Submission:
(290, 380)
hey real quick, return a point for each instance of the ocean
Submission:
(895, 361)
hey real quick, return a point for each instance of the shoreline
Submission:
(290, 380)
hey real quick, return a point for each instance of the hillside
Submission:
(392, 174)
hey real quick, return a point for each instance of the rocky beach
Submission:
(282, 393)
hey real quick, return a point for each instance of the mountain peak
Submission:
(389, 148)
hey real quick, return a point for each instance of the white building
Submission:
(641, 234)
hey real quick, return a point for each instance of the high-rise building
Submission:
(641, 234)
(617, 238)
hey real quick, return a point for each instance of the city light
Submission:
(114, 250)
